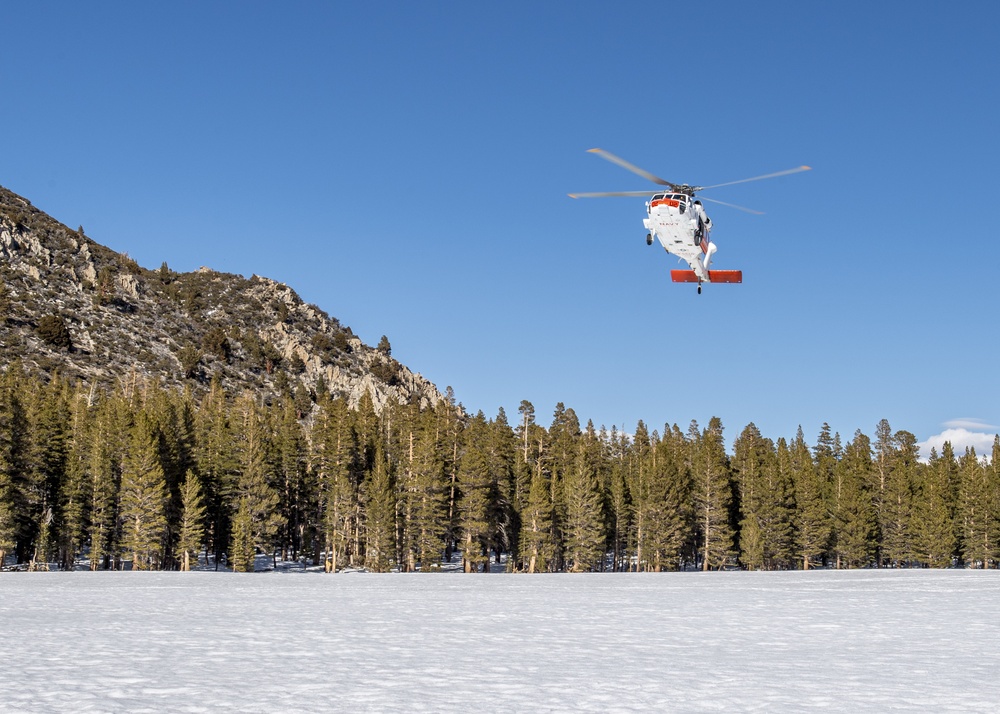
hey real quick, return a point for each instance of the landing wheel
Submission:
(699, 288)
(649, 239)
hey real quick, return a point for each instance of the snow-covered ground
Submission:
(925, 641)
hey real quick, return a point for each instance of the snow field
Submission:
(680, 642)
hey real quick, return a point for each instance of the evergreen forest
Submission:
(145, 476)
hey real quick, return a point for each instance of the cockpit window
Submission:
(672, 200)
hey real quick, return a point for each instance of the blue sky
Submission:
(405, 167)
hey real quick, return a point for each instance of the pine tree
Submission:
(951, 482)
(637, 478)
(74, 489)
(112, 426)
(241, 545)
(172, 414)
(14, 446)
(666, 502)
(712, 495)
(423, 488)
(855, 513)
(585, 531)
(990, 548)
(474, 484)
(826, 455)
(523, 466)
(898, 503)
(812, 522)
(537, 544)
(563, 436)
(977, 508)
(303, 400)
(380, 514)
(257, 501)
(765, 502)
(748, 464)
(367, 429)
(778, 523)
(619, 502)
(537, 547)
(530, 458)
(291, 462)
(48, 427)
(932, 532)
(396, 426)
(451, 424)
(143, 499)
(335, 449)
(882, 466)
(191, 529)
(216, 458)
(503, 520)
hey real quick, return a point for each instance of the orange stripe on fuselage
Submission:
(665, 202)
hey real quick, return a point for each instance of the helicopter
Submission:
(679, 221)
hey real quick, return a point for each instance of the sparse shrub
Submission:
(322, 343)
(342, 341)
(190, 359)
(302, 400)
(216, 342)
(282, 385)
(319, 311)
(192, 298)
(282, 309)
(129, 264)
(387, 371)
(272, 357)
(53, 331)
(254, 348)
(106, 290)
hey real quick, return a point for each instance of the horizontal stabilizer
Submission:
(714, 276)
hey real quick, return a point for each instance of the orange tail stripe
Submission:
(714, 276)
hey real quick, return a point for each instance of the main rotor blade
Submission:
(605, 194)
(758, 178)
(732, 205)
(631, 167)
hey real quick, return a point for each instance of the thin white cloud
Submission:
(961, 436)
(971, 424)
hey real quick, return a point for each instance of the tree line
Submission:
(149, 477)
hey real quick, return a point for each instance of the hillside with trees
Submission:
(73, 306)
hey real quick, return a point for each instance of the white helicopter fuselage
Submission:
(674, 220)
(679, 222)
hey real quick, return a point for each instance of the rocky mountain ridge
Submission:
(68, 303)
